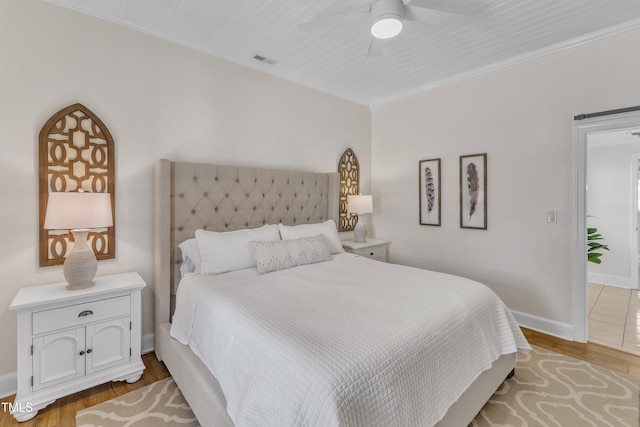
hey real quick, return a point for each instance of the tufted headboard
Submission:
(190, 196)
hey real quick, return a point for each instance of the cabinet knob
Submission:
(85, 313)
(81, 352)
(89, 351)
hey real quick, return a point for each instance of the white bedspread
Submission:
(349, 342)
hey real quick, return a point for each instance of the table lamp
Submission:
(359, 205)
(78, 212)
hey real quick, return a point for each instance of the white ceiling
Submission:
(334, 59)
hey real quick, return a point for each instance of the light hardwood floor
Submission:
(63, 411)
(597, 354)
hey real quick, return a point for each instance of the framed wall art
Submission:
(76, 152)
(429, 191)
(349, 170)
(473, 191)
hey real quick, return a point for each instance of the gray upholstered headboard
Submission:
(190, 196)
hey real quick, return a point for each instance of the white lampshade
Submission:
(68, 211)
(359, 204)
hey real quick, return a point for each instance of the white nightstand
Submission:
(374, 249)
(69, 341)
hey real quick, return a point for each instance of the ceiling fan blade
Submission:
(329, 21)
(435, 17)
(375, 47)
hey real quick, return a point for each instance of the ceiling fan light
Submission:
(386, 26)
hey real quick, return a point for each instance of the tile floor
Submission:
(614, 317)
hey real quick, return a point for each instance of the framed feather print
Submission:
(429, 195)
(473, 191)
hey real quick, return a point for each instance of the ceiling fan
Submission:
(387, 17)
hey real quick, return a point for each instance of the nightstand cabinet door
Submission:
(57, 359)
(108, 344)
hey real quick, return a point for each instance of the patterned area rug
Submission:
(158, 404)
(548, 390)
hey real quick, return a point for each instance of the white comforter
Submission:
(349, 342)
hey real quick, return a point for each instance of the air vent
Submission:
(263, 59)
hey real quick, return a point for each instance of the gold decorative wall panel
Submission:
(349, 171)
(76, 153)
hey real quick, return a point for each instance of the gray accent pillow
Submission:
(275, 255)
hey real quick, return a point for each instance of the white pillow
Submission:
(191, 260)
(229, 251)
(327, 229)
(280, 254)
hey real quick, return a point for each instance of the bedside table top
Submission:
(32, 296)
(368, 244)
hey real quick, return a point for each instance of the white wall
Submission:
(522, 117)
(609, 183)
(159, 101)
(164, 101)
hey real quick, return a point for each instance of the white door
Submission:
(57, 358)
(108, 344)
(612, 206)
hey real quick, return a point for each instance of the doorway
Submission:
(612, 206)
(612, 213)
(583, 131)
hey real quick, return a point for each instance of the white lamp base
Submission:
(81, 265)
(360, 231)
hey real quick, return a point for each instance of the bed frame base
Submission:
(479, 392)
(199, 387)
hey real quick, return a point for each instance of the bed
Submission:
(336, 388)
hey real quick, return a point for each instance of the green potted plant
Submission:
(593, 252)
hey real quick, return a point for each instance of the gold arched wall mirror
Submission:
(76, 153)
(349, 171)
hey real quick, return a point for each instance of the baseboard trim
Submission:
(148, 343)
(8, 384)
(608, 279)
(546, 326)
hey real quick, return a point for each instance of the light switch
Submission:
(552, 217)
